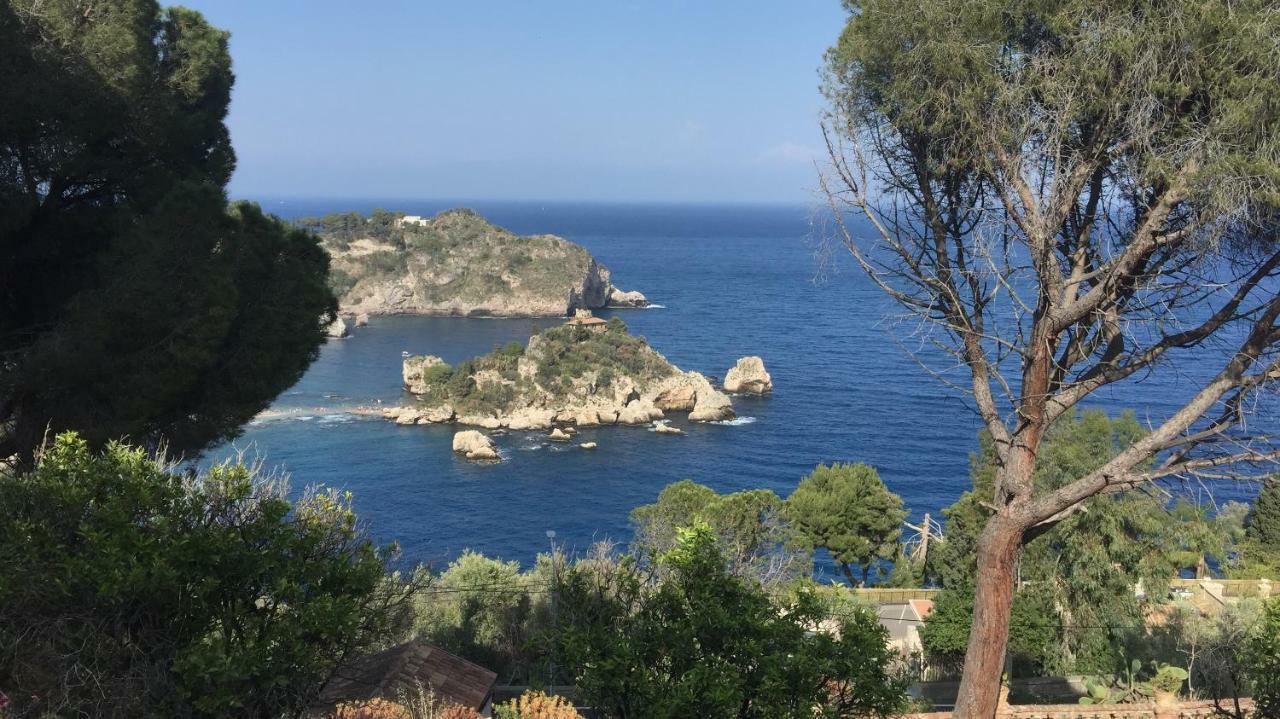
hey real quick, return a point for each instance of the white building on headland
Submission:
(411, 220)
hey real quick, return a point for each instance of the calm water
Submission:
(731, 281)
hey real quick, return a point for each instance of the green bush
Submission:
(439, 374)
(132, 590)
(1262, 661)
(705, 643)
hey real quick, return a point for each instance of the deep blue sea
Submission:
(727, 281)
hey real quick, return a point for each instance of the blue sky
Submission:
(663, 100)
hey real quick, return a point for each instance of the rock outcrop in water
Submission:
(474, 445)
(749, 376)
(336, 329)
(565, 375)
(457, 263)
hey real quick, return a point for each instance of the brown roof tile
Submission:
(383, 675)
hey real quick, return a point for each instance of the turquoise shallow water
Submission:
(731, 281)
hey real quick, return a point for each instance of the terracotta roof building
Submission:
(591, 323)
(389, 673)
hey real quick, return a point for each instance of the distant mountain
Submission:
(457, 263)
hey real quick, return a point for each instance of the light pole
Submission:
(555, 624)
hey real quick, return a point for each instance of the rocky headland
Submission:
(581, 375)
(457, 263)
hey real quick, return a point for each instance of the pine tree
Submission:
(1264, 518)
(133, 300)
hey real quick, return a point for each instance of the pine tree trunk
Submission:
(998, 550)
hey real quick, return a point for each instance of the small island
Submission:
(587, 372)
(458, 263)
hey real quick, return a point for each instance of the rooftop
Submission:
(385, 674)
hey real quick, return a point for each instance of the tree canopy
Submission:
(1071, 195)
(1263, 522)
(133, 300)
(1076, 606)
(847, 510)
(705, 643)
(750, 526)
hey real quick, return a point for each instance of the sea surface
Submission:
(727, 281)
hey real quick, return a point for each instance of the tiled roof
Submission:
(383, 675)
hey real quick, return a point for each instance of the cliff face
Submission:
(457, 263)
(565, 375)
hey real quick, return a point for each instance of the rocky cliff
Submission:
(457, 263)
(564, 375)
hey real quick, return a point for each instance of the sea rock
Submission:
(712, 407)
(436, 415)
(407, 416)
(336, 329)
(749, 376)
(640, 411)
(474, 445)
(681, 396)
(558, 435)
(476, 420)
(362, 319)
(530, 419)
(619, 298)
(588, 445)
(692, 392)
(585, 417)
(413, 369)
(664, 428)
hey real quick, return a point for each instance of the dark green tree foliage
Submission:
(1261, 658)
(1263, 523)
(847, 509)
(1033, 629)
(131, 591)
(750, 527)
(1075, 609)
(133, 301)
(707, 644)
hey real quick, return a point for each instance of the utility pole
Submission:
(555, 623)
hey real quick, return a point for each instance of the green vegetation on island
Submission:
(586, 372)
(458, 263)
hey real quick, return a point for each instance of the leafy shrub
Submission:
(512, 349)
(536, 705)
(131, 590)
(1262, 661)
(372, 709)
(438, 375)
(481, 609)
(1168, 678)
(705, 643)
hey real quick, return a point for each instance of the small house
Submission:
(411, 220)
(403, 669)
(594, 324)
